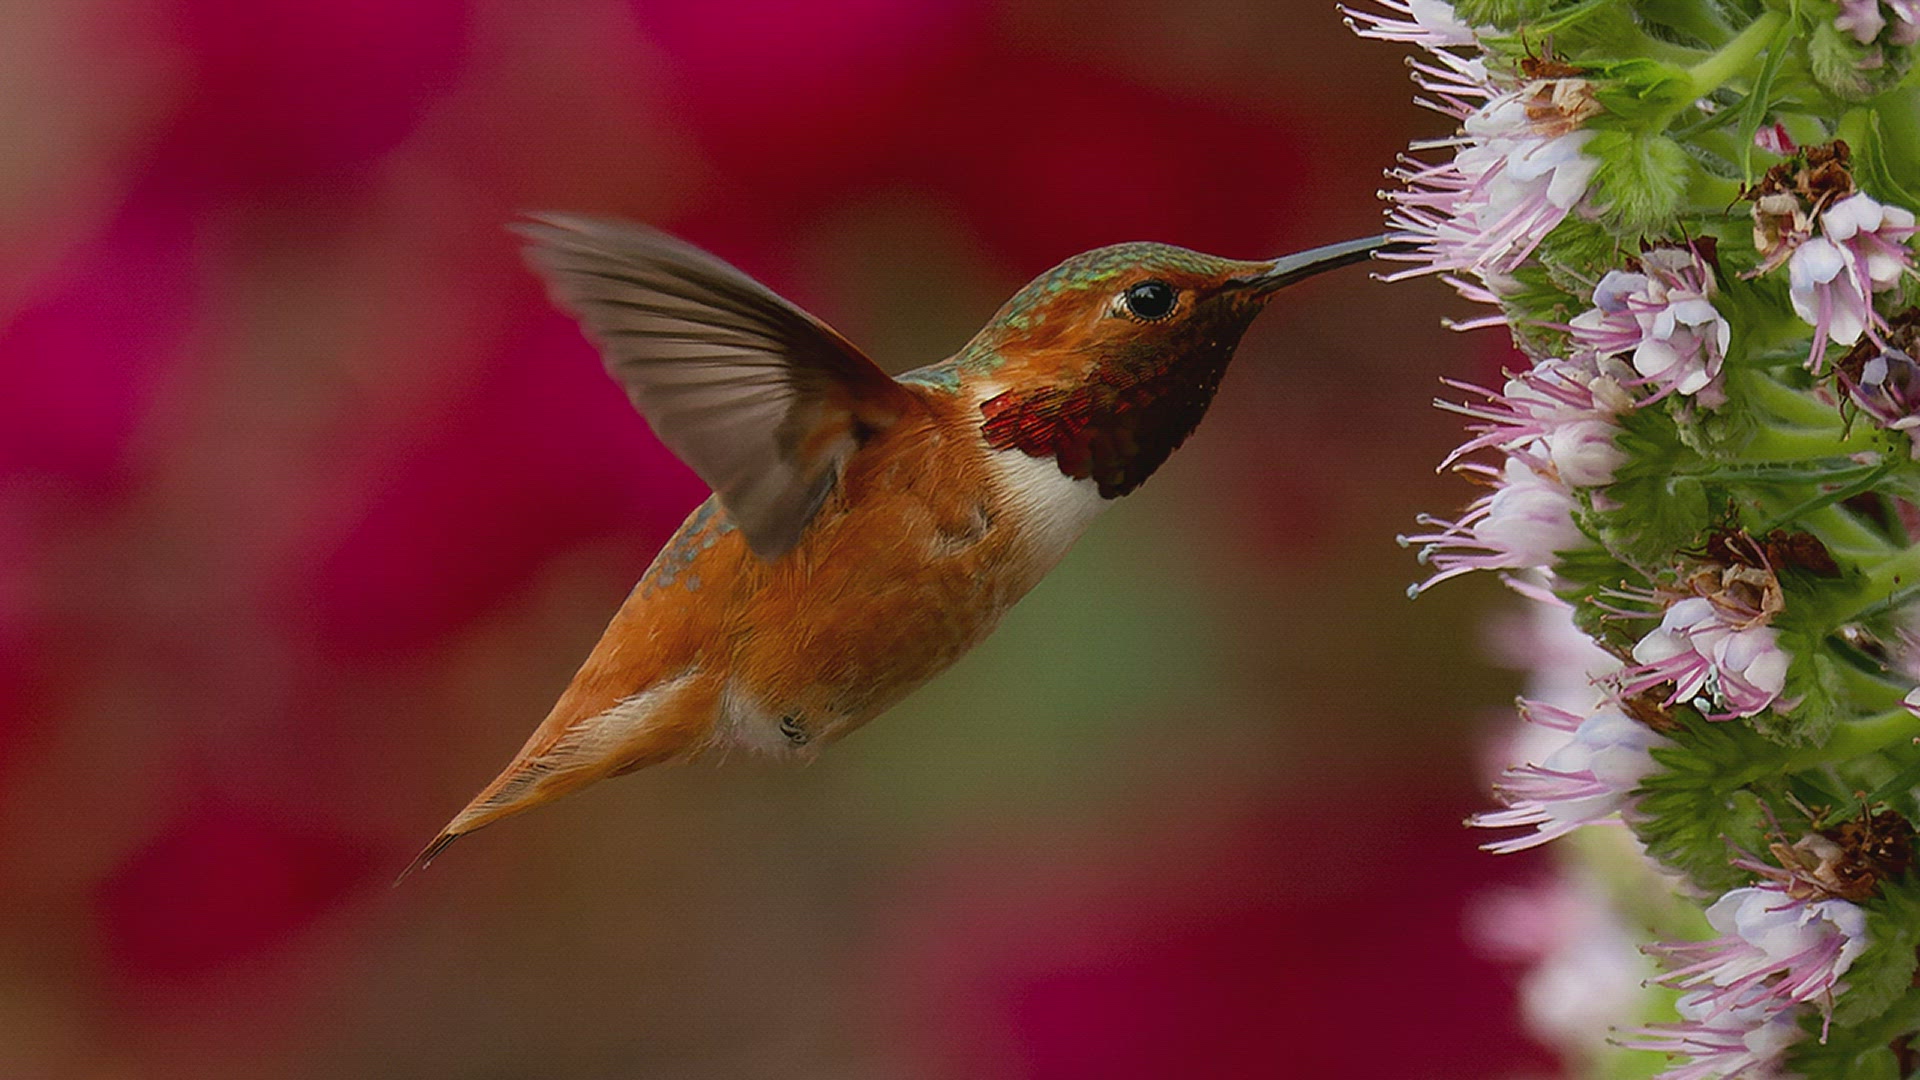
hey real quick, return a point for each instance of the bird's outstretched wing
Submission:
(762, 400)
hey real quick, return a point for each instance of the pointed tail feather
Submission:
(524, 784)
(427, 855)
(567, 753)
(506, 796)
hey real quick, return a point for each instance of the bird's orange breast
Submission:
(912, 561)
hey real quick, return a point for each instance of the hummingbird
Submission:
(865, 531)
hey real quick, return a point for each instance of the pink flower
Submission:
(810, 121)
(1826, 296)
(1486, 210)
(289, 89)
(1775, 952)
(218, 885)
(1558, 419)
(1430, 24)
(1773, 138)
(540, 446)
(1887, 389)
(1906, 22)
(1727, 665)
(1745, 988)
(1563, 665)
(1663, 317)
(1724, 1047)
(1585, 781)
(1832, 277)
(1861, 18)
(89, 351)
(1584, 453)
(1516, 172)
(1875, 238)
(1523, 524)
(1585, 972)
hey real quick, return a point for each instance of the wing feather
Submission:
(762, 400)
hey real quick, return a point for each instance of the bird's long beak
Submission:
(1288, 269)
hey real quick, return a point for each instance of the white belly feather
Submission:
(1051, 508)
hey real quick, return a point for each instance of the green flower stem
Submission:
(1790, 407)
(1725, 142)
(1868, 689)
(1892, 602)
(1850, 739)
(1843, 533)
(1891, 583)
(1773, 444)
(1826, 500)
(1900, 126)
(1895, 577)
(1645, 44)
(1738, 55)
(1688, 16)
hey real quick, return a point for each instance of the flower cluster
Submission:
(1524, 522)
(1867, 20)
(1584, 971)
(1881, 377)
(1516, 167)
(1743, 989)
(1711, 658)
(1585, 780)
(1862, 249)
(1696, 219)
(1661, 315)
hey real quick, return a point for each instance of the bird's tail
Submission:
(427, 855)
(665, 721)
(524, 784)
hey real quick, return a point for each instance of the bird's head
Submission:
(1108, 361)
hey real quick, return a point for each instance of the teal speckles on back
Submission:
(943, 376)
(700, 532)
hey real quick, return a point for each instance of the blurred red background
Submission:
(309, 504)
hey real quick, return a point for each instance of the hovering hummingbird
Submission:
(865, 531)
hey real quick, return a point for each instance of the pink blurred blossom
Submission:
(218, 884)
(81, 362)
(283, 89)
(1773, 138)
(797, 101)
(1236, 951)
(541, 453)
(1046, 159)
(1584, 968)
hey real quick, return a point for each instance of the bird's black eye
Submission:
(1151, 300)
